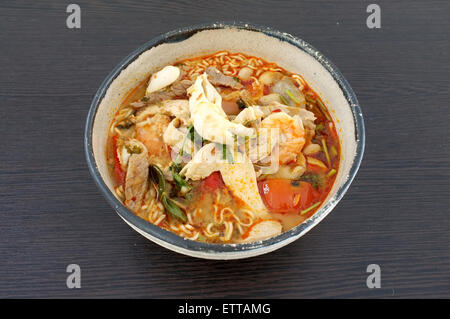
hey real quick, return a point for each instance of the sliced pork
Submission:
(136, 181)
(218, 78)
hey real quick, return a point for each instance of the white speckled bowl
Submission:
(287, 51)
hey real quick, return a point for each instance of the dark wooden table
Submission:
(396, 213)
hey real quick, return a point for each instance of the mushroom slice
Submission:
(163, 78)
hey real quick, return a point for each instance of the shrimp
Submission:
(292, 134)
(150, 133)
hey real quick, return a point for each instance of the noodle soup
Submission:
(224, 148)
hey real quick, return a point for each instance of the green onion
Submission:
(325, 149)
(333, 151)
(191, 133)
(331, 173)
(283, 100)
(293, 98)
(324, 110)
(310, 208)
(180, 181)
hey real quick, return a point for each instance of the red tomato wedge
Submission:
(286, 196)
(118, 172)
(213, 182)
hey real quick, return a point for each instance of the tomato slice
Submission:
(118, 172)
(286, 196)
(213, 182)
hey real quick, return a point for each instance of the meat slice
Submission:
(177, 89)
(136, 181)
(218, 78)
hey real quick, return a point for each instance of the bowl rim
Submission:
(172, 239)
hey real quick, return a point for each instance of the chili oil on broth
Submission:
(212, 213)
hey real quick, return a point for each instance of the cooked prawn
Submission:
(150, 133)
(292, 135)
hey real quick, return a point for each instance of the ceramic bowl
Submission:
(291, 53)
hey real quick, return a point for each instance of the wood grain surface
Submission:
(395, 214)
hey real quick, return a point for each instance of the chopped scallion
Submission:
(324, 110)
(331, 173)
(325, 150)
(283, 100)
(293, 98)
(333, 151)
(310, 208)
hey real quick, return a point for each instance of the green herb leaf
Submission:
(158, 177)
(135, 149)
(172, 208)
(313, 179)
(241, 104)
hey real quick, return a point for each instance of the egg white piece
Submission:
(210, 121)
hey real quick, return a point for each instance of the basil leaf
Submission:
(173, 208)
